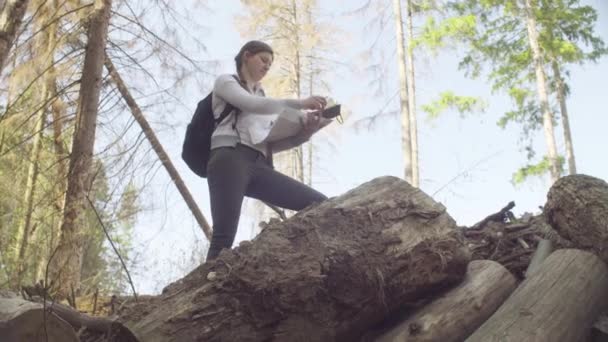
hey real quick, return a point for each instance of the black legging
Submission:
(235, 172)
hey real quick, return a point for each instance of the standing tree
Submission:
(34, 160)
(411, 91)
(406, 138)
(566, 28)
(519, 53)
(66, 264)
(47, 43)
(10, 21)
(406, 46)
(541, 86)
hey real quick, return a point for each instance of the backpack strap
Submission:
(229, 108)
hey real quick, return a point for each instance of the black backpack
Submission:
(197, 143)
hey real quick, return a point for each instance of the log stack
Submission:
(384, 262)
(331, 272)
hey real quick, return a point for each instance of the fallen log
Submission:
(577, 208)
(543, 250)
(21, 320)
(558, 302)
(329, 273)
(458, 312)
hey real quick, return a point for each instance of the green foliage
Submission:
(500, 40)
(449, 100)
(499, 43)
(438, 35)
(535, 170)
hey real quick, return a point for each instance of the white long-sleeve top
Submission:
(257, 112)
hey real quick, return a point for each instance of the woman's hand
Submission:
(314, 103)
(312, 123)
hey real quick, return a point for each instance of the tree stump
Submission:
(558, 302)
(577, 208)
(21, 320)
(329, 273)
(458, 312)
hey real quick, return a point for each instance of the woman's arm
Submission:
(289, 142)
(227, 88)
(312, 124)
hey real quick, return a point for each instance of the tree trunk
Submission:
(158, 148)
(10, 22)
(21, 320)
(311, 93)
(458, 312)
(543, 96)
(58, 110)
(47, 42)
(561, 97)
(328, 273)
(412, 96)
(559, 302)
(66, 264)
(577, 208)
(24, 229)
(299, 151)
(60, 186)
(406, 142)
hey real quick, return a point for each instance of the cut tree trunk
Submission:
(577, 208)
(158, 148)
(328, 273)
(558, 302)
(458, 312)
(21, 320)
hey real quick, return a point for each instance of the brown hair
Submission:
(253, 46)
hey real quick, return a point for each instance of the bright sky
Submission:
(465, 163)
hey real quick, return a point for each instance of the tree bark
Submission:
(543, 250)
(21, 320)
(406, 139)
(328, 273)
(47, 44)
(559, 302)
(65, 266)
(577, 208)
(541, 86)
(158, 148)
(563, 108)
(412, 95)
(10, 22)
(24, 229)
(458, 312)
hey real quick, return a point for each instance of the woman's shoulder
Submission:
(225, 78)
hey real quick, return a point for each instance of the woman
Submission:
(239, 167)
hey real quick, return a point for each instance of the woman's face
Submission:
(258, 64)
